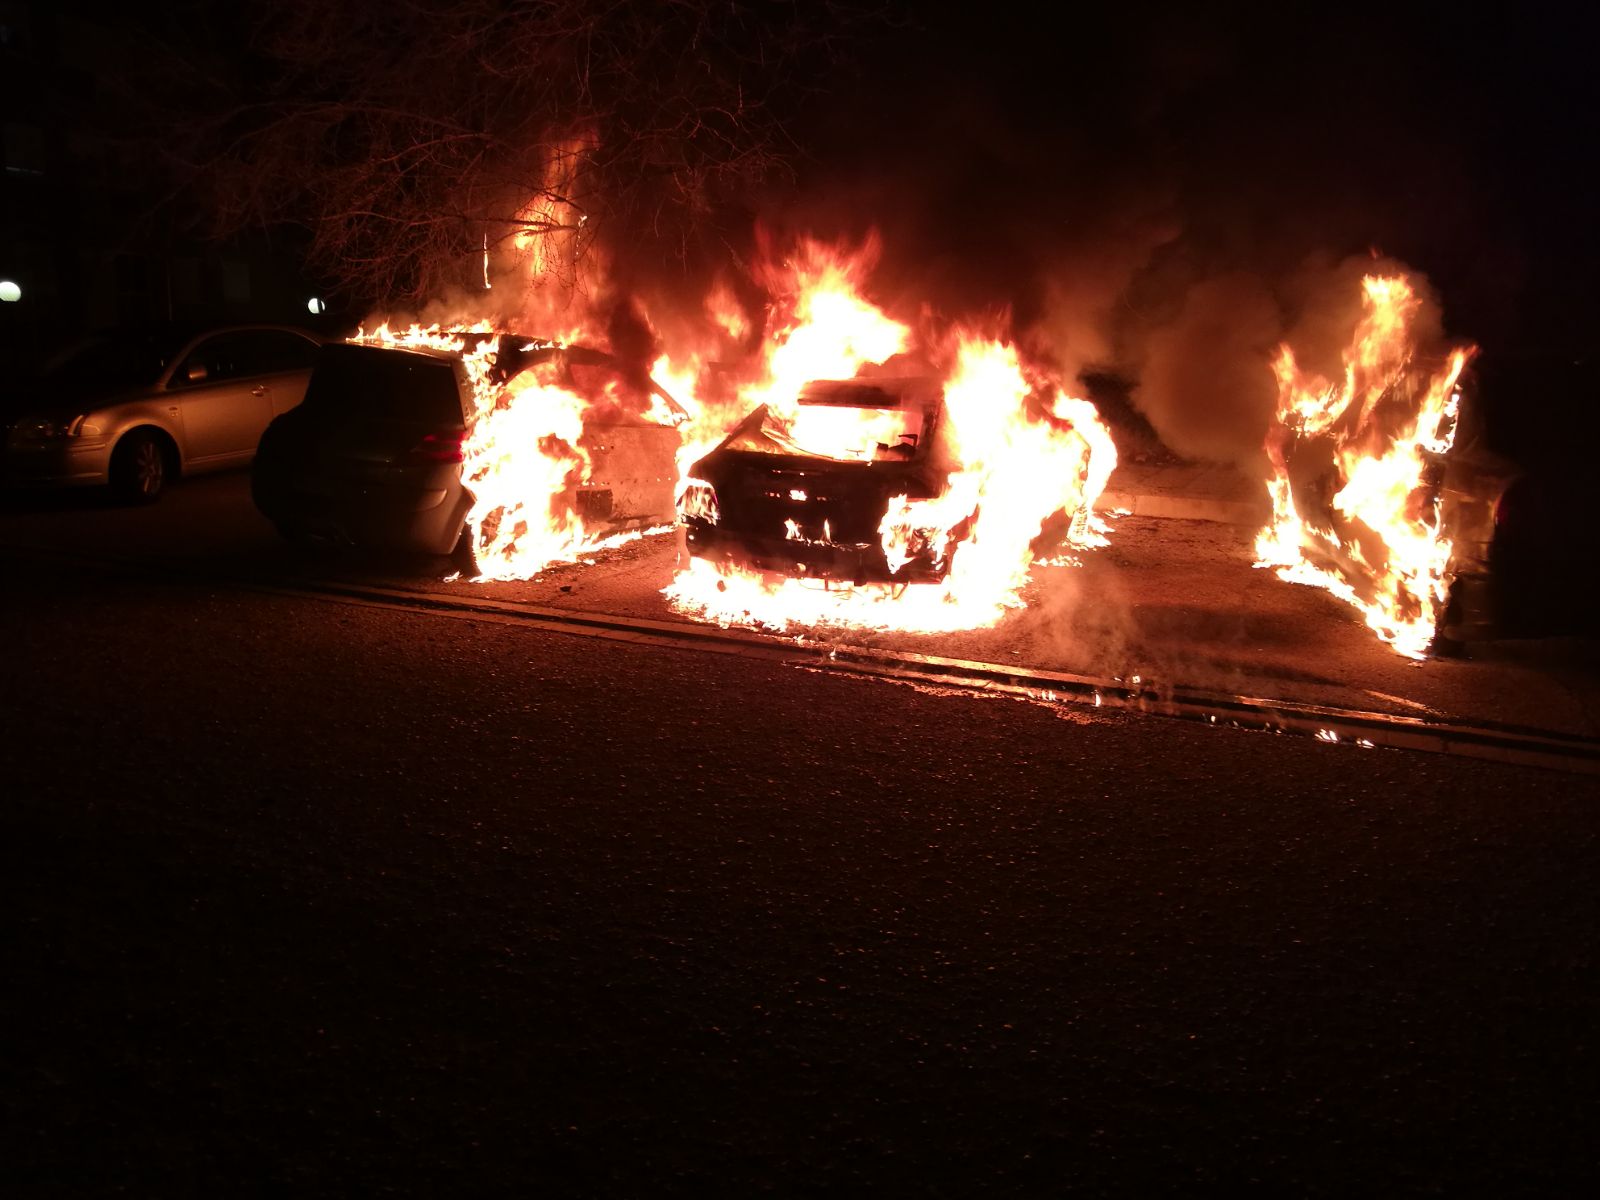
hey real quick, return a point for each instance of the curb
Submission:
(1490, 741)
(1487, 740)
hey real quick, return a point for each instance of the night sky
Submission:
(1098, 175)
(1254, 135)
(1113, 162)
(988, 142)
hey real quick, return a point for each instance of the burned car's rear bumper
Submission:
(856, 562)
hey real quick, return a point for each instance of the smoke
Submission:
(1138, 215)
(1086, 274)
(1082, 618)
(1128, 292)
(1163, 209)
(1202, 361)
(1206, 382)
(1322, 304)
(628, 331)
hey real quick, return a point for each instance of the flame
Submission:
(524, 456)
(1017, 460)
(831, 330)
(548, 228)
(1380, 544)
(726, 313)
(824, 329)
(522, 461)
(1016, 471)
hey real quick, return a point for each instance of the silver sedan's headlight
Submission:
(49, 429)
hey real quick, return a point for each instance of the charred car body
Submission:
(1464, 484)
(805, 492)
(374, 455)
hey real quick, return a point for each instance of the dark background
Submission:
(1454, 142)
(1131, 152)
(1083, 173)
(373, 901)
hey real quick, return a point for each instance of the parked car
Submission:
(805, 494)
(1469, 484)
(1472, 485)
(135, 409)
(374, 456)
(1539, 408)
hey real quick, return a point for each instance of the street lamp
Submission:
(10, 292)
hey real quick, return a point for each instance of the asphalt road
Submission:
(1175, 603)
(318, 897)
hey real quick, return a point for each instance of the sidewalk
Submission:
(1188, 493)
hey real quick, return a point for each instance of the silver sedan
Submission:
(134, 409)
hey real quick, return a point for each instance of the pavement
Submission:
(357, 901)
(1189, 492)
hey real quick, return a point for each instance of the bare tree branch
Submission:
(407, 137)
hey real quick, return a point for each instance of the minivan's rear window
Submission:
(368, 381)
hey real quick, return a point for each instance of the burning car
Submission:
(458, 444)
(1376, 496)
(807, 491)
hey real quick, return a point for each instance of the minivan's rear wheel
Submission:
(464, 556)
(139, 468)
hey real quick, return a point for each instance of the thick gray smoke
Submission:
(1199, 354)
(1205, 380)
(1160, 202)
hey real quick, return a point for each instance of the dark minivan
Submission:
(372, 457)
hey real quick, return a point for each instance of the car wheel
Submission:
(139, 468)
(464, 556)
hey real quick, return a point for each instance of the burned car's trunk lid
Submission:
(630, 477)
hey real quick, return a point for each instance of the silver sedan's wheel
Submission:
(139, 468)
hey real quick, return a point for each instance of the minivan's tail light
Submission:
(1509, 505)
(440, 447)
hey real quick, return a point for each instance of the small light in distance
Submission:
(10, 291)
(315, 306)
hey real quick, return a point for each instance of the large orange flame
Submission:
(1019, 453)
(1022, 455)
(524, 456)
(1354, 502)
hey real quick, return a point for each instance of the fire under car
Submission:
(804, 491)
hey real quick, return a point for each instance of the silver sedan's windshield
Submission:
(111, 362)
